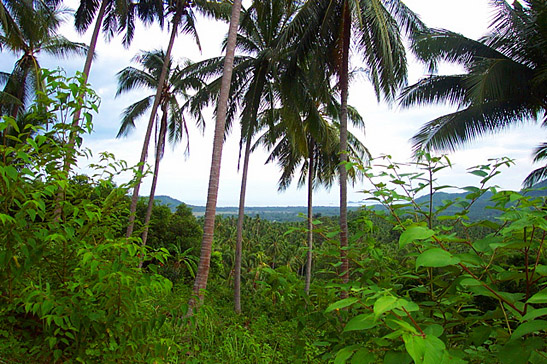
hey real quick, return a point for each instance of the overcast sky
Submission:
(388, 128)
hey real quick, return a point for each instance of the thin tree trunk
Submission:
(343, 147)
(209, 225)
(159, 151)
(87, 69)
(146, 143)
(240, 218)
(71, 145)
(310, 216)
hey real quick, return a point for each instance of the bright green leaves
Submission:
(384, 304)
(436, 257)
(540, 297)
(361, 322)
(346, 302)
(528, 328)
(425, 350)
(414, 233)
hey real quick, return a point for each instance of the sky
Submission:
(388, 127)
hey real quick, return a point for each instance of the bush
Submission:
(70, 289)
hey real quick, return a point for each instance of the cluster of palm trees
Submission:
(285, 77)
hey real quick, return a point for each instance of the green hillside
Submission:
(481, 209)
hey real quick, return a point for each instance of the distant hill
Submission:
(479, 210)
(275, 213)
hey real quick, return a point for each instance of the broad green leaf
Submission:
(414, 233)
(345, 353)
(342, 304)
(434, 330)
(514, 352)
(532, 314)
(540, 297)
(361, 322)
(541, 270)
(436, 257)
(363, 356)
(428, 350)
(528, 328)
(405, 325)
(472, 282)
(384, 304)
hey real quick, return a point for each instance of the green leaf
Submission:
(434, 330)
(436, 257)
(541, 270)
(414, 233)
(529, 328)
(345, 353)
(479, 173)
(532, 314)
(342, 304)
(393, 357)
(361, 322)
(384, 304)
(514, 352)
(428, 350)
(363, 356)
(540, 297)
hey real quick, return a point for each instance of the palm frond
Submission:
(132, 113)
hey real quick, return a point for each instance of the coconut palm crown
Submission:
(504, 83)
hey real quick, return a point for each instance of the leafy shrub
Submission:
(446, 297)
(70, 289)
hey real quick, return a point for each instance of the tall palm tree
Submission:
(252, 88)
(171, 122)
(209, 224)
(309, 140)
(29, 28)
(374, 27)
(505, 79)
(183, 19)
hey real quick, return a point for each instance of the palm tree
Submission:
(171, 120)
(29, 28)
(113, 16)
(310, 141)
(209, 224)
(376, 26)
(252, 88)
(505, 82)
(182, 16)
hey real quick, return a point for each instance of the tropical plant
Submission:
(171, 122)
(504, 83)
(70, 290)
(252, 90)
(439, 295)
(376, 26)
(30, 28)
(303, 132)
(183, 16)
(200, 283)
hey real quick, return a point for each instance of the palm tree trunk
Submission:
(87, 69)
(209, 225)
(159, 151)
(69, 158)
(344, 146)
(240, 218)
(146, 142)
(310, 216)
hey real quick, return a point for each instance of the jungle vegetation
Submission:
(91, 273)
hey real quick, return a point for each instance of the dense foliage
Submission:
(90, 275)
